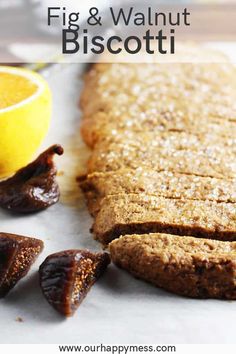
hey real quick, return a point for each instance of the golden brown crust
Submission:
(184, 265)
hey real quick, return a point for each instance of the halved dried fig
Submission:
(34, 187)
(17, 254)
(66, 277)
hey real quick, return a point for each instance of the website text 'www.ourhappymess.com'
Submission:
(117, 349)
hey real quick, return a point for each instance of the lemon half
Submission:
(25, 112)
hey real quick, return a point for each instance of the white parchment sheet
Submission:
(119, 308)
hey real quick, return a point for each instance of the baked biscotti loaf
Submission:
(140, 213)
(186, 266)
(176, 124)
(165, 184)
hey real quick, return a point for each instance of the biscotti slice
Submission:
(186, 266)
(132, 213)
(217, 163)
(165, 184)
(101, 126)
(171, 140)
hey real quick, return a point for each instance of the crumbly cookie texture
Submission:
(165, 184)
(163, 149)
(141, 213)
(186, 266)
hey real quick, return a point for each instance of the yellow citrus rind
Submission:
(23, 125)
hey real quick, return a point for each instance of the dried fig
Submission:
(66, 277)
(17, 254)
(34, 187)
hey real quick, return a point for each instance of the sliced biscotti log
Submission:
(132, 213)
(216, 162)
(166, 184)
(186, 266)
